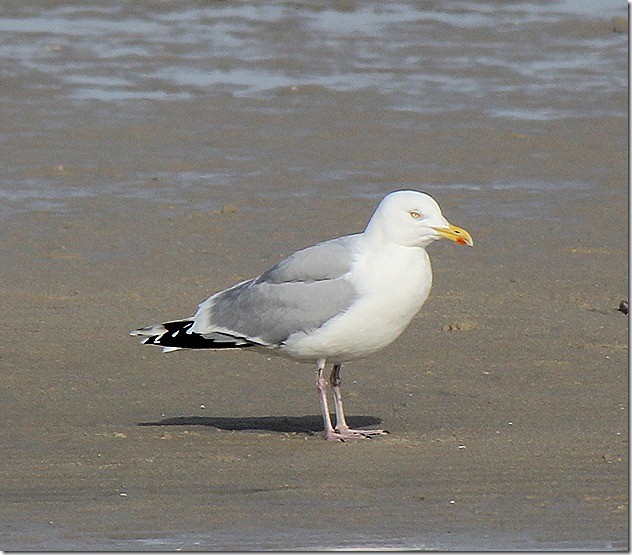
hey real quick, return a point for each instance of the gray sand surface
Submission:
(506, 399)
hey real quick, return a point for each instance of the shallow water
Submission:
(261, 539)
(73, 67)
(115, 53)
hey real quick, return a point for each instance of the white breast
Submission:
(393, 283)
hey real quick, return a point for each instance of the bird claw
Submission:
(352, 435)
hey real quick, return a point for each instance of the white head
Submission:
(413, 219)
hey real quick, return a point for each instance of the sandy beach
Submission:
(506, 399)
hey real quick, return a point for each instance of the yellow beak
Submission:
(456, 234)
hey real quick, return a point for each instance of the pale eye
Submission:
(415, 215)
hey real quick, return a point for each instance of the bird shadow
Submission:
(308, 424)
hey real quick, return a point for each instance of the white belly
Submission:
(393, 285)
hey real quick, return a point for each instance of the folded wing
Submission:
(299, 294)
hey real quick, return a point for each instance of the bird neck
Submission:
(375, 232)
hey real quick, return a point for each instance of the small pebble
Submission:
(229, 209)
(623, 306)
(459, 326)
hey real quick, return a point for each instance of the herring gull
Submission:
(332, 302)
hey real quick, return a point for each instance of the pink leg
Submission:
(321, 385)
(341, 422)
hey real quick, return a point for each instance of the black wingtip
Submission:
(178, 334)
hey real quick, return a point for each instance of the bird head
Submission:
(413, 219)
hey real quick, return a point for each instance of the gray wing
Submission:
(300, 293)
(324, 261)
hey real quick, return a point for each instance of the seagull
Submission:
(333, 302)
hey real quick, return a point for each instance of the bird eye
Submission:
(415, 215)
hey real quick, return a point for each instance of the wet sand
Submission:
(506, 398)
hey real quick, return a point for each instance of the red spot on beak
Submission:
(461, 241)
